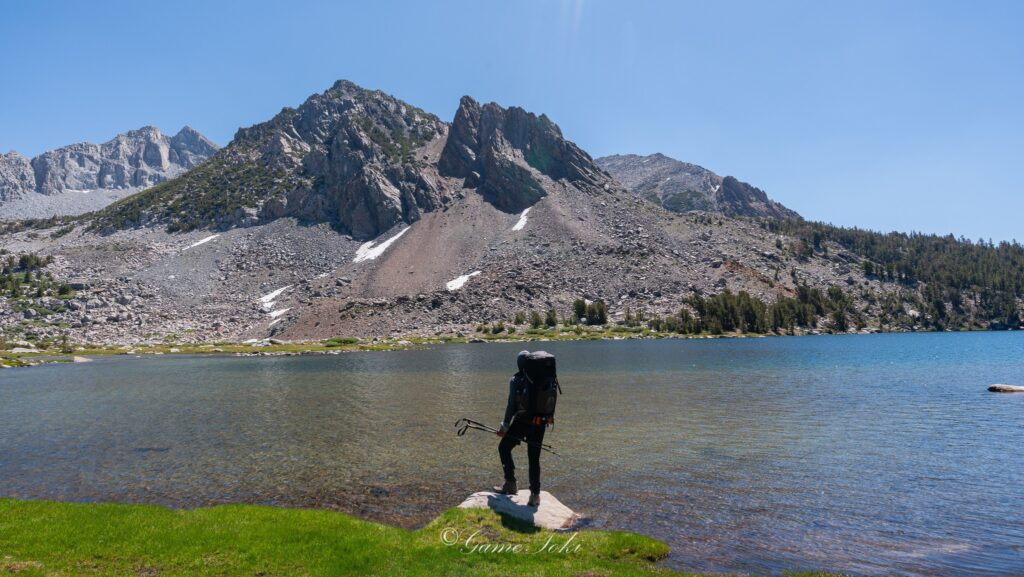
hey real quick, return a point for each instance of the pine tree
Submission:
(551, 318)
(535, 320)
(579, 307)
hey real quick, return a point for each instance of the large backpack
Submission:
(537, 401)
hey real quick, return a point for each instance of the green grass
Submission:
(55, 539)
(11, 361)
(62, 539)
(339, 341)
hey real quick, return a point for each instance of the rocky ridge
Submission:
(512, 156)
(356, 214)
(357, 159)
(681, 187)
(364, 161)
(135, 159)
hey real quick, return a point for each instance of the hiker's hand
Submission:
(502, 430)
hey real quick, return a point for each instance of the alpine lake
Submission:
(864, 454)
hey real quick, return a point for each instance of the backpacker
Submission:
(537, 401)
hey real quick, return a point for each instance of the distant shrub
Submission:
(339, 341)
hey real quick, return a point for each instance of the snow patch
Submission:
(270, 296)
(456, 284)
(369, 252)
(279, 312)
(201, 241)
(522, 220)
(273, 322)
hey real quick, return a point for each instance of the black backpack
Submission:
(538, 398)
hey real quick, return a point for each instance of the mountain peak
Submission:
(364, 161)
(344, 85)
(191, 138)
(135, 159)
(682, 186)
(347, 156)
(188, 131)
(509, 154)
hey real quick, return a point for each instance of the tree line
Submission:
(741, 312)
(23, 276)
(989, 275)
(725, 312)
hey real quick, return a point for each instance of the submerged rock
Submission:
(551, 514)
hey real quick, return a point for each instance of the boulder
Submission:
(1000, 388)
(551, 514)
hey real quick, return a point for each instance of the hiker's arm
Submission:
(510, 406)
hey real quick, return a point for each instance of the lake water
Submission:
(877, 454)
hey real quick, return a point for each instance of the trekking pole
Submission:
(464, 424)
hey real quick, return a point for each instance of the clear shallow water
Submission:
(878, 454)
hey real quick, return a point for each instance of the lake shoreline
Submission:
(21, 358)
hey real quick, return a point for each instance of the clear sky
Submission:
(898, 114)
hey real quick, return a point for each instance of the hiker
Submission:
(532, 393)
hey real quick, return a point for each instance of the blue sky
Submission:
(896, 115)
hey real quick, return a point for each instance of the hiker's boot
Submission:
(534, 500)
(509, 488)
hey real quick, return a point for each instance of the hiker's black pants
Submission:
(534, 436)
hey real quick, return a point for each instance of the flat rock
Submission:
(1000, 388)
(81, 359)
(551, 514)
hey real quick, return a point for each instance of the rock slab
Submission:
(551, 514)
(1000, 388)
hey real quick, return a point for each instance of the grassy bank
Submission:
(56, 539)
